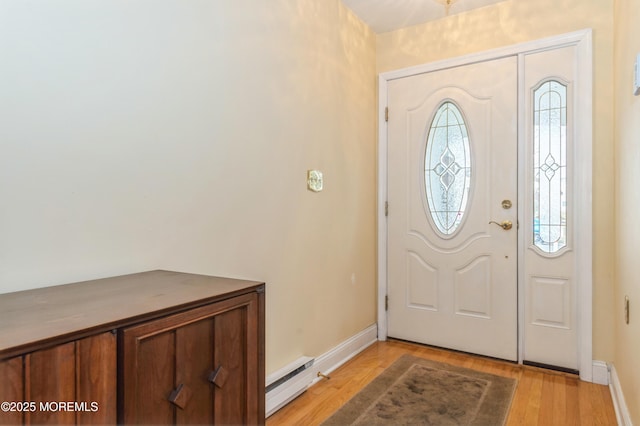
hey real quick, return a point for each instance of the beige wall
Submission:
(627, 118)
(177, 134)
(515, 21)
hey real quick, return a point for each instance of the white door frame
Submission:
(583, 177)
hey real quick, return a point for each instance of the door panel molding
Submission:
(475, 276)
(422, 298)
(582, 235)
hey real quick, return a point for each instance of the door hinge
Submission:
(386, 303)
(386, 113)
(386, 208)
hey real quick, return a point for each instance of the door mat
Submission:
(417, 391)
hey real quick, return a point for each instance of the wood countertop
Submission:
(33, 319)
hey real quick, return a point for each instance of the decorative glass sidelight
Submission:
(550, 166)
(447, 168)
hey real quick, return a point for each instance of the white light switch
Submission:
(314, 180)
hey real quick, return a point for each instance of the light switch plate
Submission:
(636, 76)
(314, 180)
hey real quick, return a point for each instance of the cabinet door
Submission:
(96, 375)
(193, 367)
(80, 373)
(168, 382)
(236, 358)
(50, 376)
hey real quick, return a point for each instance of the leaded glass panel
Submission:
(550, 166)
(447, 168)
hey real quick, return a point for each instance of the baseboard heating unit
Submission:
(287, 383)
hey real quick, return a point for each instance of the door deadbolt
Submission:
(506, 204)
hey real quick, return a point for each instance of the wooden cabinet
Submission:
(157, 348)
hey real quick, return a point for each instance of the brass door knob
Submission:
(505, 224)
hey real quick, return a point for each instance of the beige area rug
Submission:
(416, 391)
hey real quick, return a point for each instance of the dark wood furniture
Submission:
(156, 347)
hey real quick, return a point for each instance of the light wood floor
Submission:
(542, 397)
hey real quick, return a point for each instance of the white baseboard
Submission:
(325, 364)
(622, 411)
(600, 373)
(334, 358)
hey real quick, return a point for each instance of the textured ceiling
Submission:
(388, 15)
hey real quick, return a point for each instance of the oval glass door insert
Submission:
(447, 167)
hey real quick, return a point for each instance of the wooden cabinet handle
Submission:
(180, 396)
(219, 376)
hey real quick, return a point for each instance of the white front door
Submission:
(452, 169)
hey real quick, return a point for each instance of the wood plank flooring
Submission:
(543, 397)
